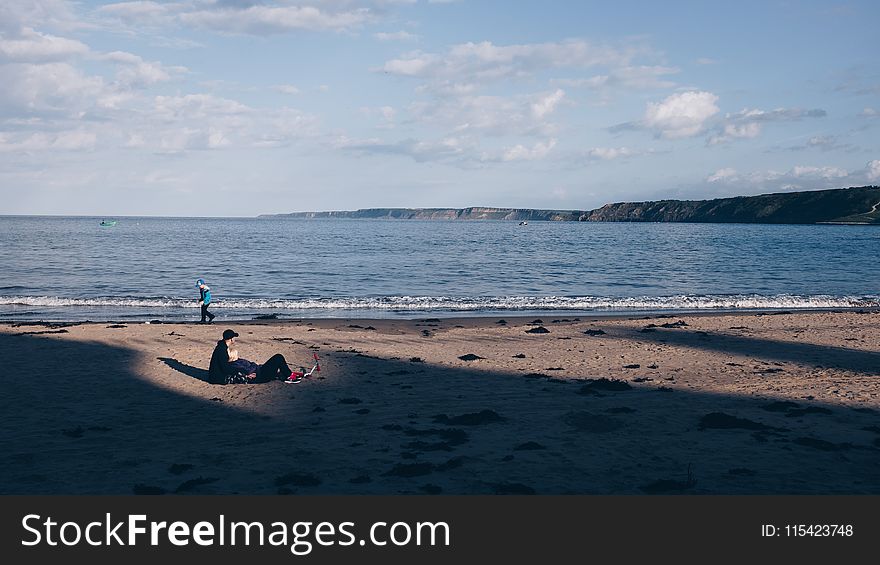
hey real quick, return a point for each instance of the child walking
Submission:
(204, 300)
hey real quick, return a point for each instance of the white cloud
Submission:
(736, 131)
(258, 19)
(798, 177)
(16, 15)
(74, 140)
(452, 148)
(287, 89)
(611, 153)
(249, 17)
(872, 170)
(462, 151)
(29, 46)
(140, 11)
(722, 175)
(57, 88)
(414, 64)
(522, 153)
(823, 143)
(638, 77)
(807, 172)
(545, 105)
(395, 36)
(681, 115)
(135, 72)
(387, 112)
(196, 106)
(255, 17)
(485, 62)
(869, 113)
(526, 115)
(706, 61)
(748, 123)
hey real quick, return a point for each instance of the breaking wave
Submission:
(459, 304)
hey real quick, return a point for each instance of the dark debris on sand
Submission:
(266, 317)
(470, 357)
(611, 385)
(538, 330)
(594, 332)
(474, 419)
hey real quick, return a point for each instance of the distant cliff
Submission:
(842, 205)
(473, 213)
(858, 205)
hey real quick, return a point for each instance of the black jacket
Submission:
(220, 366)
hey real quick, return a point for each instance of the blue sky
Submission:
(244, 107)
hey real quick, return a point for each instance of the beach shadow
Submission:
(391, 426)
(823, 356)
(188, 370)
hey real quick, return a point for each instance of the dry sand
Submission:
(722, 404)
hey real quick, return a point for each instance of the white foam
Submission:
(466, 304)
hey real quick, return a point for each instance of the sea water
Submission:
(72, 268)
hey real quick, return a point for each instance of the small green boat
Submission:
(108, 223)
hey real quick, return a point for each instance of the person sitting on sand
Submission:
(226, 363)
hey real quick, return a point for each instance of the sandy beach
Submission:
(699, 404)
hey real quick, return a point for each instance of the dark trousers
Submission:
(274, 369)
(206, 313)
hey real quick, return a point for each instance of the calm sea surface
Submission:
(55, 268)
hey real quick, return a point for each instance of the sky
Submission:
(247, 107)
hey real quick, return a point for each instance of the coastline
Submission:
(713, 403)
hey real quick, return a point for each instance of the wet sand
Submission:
(695, 404)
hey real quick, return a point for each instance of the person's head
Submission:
(200, 283)
(229, 337)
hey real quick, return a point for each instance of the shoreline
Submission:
(458, 319)
(758, 403)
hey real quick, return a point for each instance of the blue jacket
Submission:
(205, 294)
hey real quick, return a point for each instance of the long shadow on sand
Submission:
(855, 360)
(383, 426)
(188, 370)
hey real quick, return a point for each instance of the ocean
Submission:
(142, 269)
